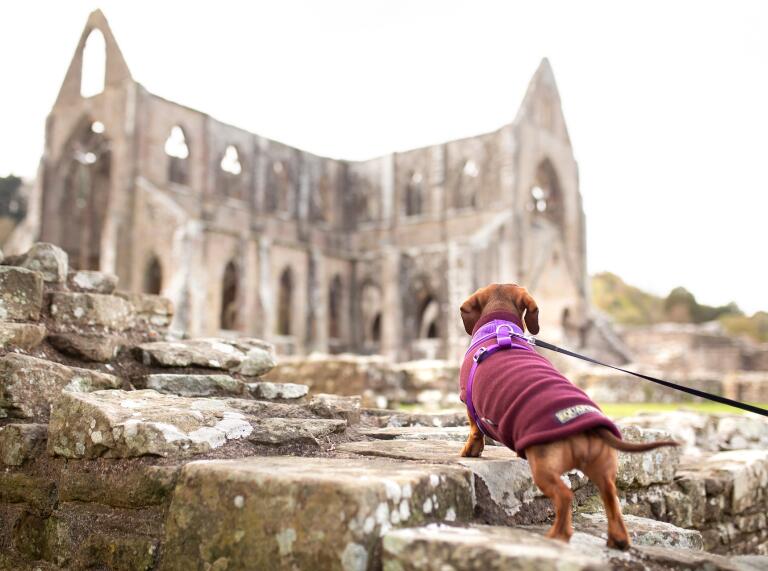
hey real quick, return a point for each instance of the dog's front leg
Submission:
(475, 442)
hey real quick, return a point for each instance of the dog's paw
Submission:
(473, 449)
(617, 543)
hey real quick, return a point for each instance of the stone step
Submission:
(25, 336)
(642, 531)
(195, 385)
(484, 547)
(278, 391)
(28, 385)
(455, 434)
(249, 357)
(124, 424)
(21, 294)
(323, 513)
(392, 418)
(86, 311)
(437, 547)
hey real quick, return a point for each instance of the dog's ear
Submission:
(471, 310)
(527, 303)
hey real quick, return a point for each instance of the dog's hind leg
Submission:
(547, 466)
(602, 471)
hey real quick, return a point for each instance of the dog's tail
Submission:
(608, 437)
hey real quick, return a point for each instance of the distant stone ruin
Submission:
(125, 448)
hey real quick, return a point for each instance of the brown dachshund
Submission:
(593, 451)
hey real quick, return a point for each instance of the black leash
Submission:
(689, 390)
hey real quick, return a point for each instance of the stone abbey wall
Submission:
(125, 448)
(250, 236)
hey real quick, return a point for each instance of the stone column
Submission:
(391, 319)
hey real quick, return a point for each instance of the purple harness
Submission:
(503, 331)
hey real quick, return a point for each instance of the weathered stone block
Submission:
(277, 391)
(19, 487)
(257, 362)
(642, 531)
(323, 513)
(25, 336)
(87, 281)
(119, 552)
(21, 442)
(653, 467)
(280, 431)
(89, 347)
(49, 260)
(21, 294)
(481, 547)
(153, 309)
(84, 310)
(334, 406)
(28, 386)
(132, 486)
(195, 385)
(121, 424)
(211, 353)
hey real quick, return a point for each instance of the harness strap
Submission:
(503, 341)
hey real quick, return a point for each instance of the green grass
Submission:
(618, 410)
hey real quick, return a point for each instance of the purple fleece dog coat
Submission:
(519, 397)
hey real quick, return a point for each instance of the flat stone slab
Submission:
(21, 294)
(454, 434)
(277, 391)
(87, 281)
(481, 547)
(21, 442)
(322, 513)
(642, 531)
(391, 418)
(24, 336)
(28, 386)
(280, 431)
(85, 310)
(123, 424)
(235, 356)
(195, 385)
(99, 348)
(503, 480)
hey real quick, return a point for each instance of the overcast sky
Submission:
(666, 102)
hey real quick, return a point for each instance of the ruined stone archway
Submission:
(546, 198)
(153, 276)
(83, 201)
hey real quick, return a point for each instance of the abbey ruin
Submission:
(248, 235)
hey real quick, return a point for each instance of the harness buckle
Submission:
(502, 339)
(478, 356)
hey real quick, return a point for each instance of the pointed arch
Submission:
(429, 319)
(546, 198)
(414, 194)
(93, 71)
(230, 286)
(177, 150)
(153, 275)
(285, 302)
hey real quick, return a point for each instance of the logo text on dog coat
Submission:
(568, 414)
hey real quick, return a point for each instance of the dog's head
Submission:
(496, 297)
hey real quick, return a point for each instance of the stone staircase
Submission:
(123, 449)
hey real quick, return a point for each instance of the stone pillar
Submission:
(267, 321)
(391, 318)
(317, 315)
